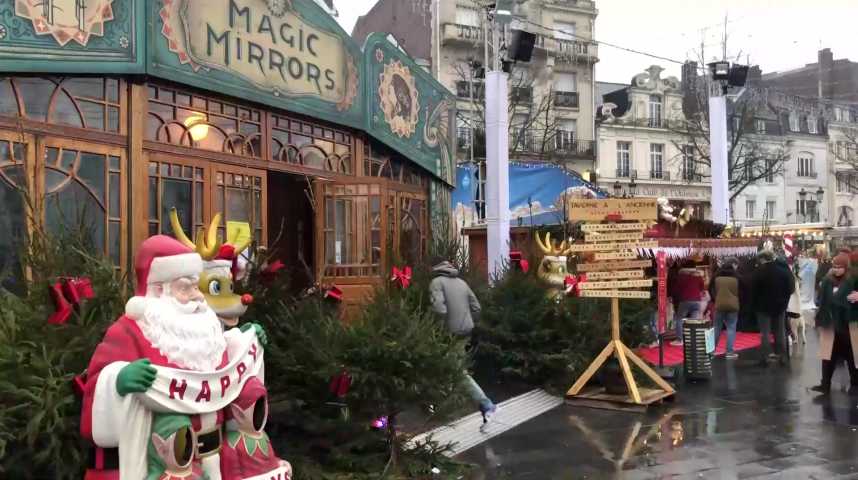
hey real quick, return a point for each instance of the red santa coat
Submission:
(125, 342)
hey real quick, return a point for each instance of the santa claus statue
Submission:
(168, 355)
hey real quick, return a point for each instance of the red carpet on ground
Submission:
(673, 355)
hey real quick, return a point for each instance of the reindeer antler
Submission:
(550, 248)
(207, 243)
(239, 247)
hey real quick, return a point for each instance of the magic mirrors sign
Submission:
(265, 42)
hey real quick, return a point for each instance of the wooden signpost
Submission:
(616, 274)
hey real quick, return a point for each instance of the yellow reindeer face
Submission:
(552, 268)
(220, 297)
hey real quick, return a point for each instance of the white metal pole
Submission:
(497, 165)
(719, 159)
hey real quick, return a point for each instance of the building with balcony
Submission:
(843, 154)
(640, 150)
(552, 97)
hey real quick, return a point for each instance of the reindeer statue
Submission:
(221, 270)
(552, 268)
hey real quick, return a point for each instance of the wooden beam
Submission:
(617, 275)
(655, 377)
(613, 227)
(627, 371)
(616, 255)
(591, 370)
(614, 294)
(613, 237)
(608, 247)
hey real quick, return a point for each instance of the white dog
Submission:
(796, 317)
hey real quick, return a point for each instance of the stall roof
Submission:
(289, 55)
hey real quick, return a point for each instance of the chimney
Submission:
(755, 75)
(825, 70)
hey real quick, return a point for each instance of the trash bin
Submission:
(697, 364)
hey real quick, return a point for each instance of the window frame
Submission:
(624, 155)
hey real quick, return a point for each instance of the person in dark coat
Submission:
(772, 285)
(837, 334)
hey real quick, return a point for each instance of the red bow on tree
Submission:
(519, 263)
(573, 284)
(340, 384)
(402, 277)
(67, 294)
(334, 293)
(271, 271)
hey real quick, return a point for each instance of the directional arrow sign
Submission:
(616, 255)
(588, 285)
(613, 237)
(607, 247)
(613, 227)
(600, 267)
(615, 275)
(614, 294)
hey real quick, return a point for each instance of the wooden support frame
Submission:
(623, 354)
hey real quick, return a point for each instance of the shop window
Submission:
(238, 196)
(13, 225)
(412, 229)
(83, 190)
(352, 230)
(175, 185)
(305, 144)
(91, 102)
(194, 121)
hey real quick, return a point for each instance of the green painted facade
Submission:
(286, 54)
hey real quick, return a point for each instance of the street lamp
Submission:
(819, 194)
(618, 188)
(633, 188)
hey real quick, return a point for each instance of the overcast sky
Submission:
(777, 34)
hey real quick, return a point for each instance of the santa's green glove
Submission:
(260, 332)
(136, 377)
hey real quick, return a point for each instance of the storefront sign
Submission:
(612, 209)
(675, 193)
(265, 43)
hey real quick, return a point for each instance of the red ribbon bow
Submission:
(402, 277)
(334, 293)
(67, 294)
(340, 384)
(269, 274)
(519, 263)
(573, 284)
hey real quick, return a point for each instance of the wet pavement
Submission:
(749, 421)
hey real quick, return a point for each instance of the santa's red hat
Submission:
(160, 259)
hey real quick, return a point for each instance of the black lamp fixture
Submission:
(720, 70)
(633, 187)
(819, 194)
(618, 188)
(730, 75)
(802, 194)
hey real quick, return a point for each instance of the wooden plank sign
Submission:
(619, 275)
(607, 247)
(613, 237)
(614, 294)
(620, 208)
(588, 285)
(613, 227)
(608, 266)
(616, 255)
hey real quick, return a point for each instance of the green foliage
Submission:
(39, 413)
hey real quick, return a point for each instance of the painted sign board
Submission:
(616, 255)
(618, 275)
(620, 208)
(613, 237)
(588, 285)
(613, 227)
(608, 266)
(601, 247)
(614, 294)
(71, 36)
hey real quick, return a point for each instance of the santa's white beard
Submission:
(190, 337)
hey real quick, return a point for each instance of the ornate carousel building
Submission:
(335, 155)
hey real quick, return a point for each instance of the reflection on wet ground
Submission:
(749, 421)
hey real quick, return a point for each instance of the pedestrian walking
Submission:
(772, 285)
(837, 324)
(454, 300)
(724, 289)
(689, 290)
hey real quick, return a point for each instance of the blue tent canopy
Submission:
(536, 193)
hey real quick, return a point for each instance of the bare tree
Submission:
(756, 148)
(845, 146)
(534, 127)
